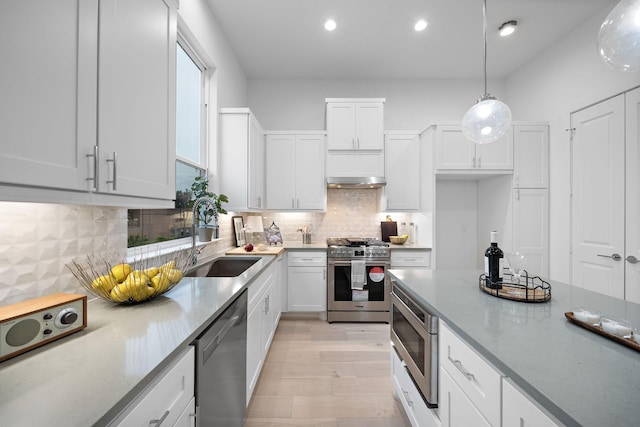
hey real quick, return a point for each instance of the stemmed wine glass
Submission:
(517, 262)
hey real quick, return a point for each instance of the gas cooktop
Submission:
(357, 248)
(355, 241)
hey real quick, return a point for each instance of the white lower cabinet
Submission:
(166, 400)
(520, 410)
(417, 411)
(307, 281)
(262, 317)
(477, 383)
(414, 258)
(187, 418)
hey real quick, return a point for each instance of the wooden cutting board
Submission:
(389, 228)
(270, 250)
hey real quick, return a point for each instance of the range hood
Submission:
(356, 182)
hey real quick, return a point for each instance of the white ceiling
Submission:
(376, 39)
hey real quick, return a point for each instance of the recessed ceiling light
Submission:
(330, 25)
(420, 25)
(507, 28)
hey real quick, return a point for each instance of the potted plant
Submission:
(207, 216)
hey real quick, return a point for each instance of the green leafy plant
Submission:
(200, 188)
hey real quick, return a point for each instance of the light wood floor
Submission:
(326, 375)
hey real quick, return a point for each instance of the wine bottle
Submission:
(493, 263)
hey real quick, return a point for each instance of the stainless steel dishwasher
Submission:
(221, 354)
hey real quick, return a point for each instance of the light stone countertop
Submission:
(88, 377)
(582, 378)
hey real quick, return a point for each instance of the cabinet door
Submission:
(307, 289)
(280, 159)
(341, 118)
(369, 126)
(597, 212)
(632, 200)
(256, 165)
(136, 103)
(519, 410)
(531, 156)
(531, 228)
(48, 86)
(497, 155)
(402, 171)
(188, 416)
(310, 181)
(453, 150)
(456, 410)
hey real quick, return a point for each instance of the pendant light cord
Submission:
(484, 31)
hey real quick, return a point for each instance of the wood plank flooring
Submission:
(327, 375)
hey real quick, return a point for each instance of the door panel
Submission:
(597, 207)
(632, 229)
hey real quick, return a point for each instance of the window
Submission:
(147, 226)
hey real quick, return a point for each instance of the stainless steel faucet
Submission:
(200, 201)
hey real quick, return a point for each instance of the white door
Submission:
(497, 155)
(341, 118)
(369, 122)
(597, 208)
(310, 181)
(136, 102)
(531, 156)
(256, 177)
(531, 229)
(632, 229)
(402, 170)
(48, 124)
(453, 150)
(280, 171)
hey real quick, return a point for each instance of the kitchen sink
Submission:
(224, 267)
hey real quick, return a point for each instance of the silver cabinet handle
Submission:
(293, 203)
(357, 142)
(156, 423)
(474, 161)
(115, 165)
(259, 201)
(96, 156)
(631, 259)
(615, 257)
(480, 162)
(458, 364)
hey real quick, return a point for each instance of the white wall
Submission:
(299, 104)
(564, 78)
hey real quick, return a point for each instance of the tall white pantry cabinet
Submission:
(477, 190)
(91, 118)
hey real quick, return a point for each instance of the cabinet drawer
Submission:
(479, 381)
(259, 286)
(410, 258)
(417, 412)
(307, 258)
(166, 397)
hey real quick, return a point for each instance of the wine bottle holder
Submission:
(528, 289)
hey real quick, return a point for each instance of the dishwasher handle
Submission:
(210, 346)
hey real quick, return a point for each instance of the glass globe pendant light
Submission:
(489, 118)
(619, 37)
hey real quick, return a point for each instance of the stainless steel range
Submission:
(358, 287)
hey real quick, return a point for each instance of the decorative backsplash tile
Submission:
(37, 240)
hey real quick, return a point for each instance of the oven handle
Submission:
(369, 263)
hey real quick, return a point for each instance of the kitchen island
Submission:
(89, 377)
(580, 377)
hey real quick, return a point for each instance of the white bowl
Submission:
(587, 316)
(616, 327)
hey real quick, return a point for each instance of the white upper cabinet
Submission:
(136, 102)
(355, 124)
(402, 171)
(90, 107)
(456, 153)
(241, 149)
(295, 177)
(48, 83)
(531, 156)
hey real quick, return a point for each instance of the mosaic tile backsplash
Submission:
(37, 240)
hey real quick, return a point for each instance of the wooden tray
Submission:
(629, 342)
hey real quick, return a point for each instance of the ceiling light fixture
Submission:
(508, 28)
(619, 37)
(420, 25)
(489, 118)
(330, 25)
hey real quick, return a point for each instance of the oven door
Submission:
(373, 296)
(417, 347)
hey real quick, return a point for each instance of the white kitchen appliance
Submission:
(30, 324)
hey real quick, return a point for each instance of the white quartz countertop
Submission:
(582, 378)
(88, 377)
